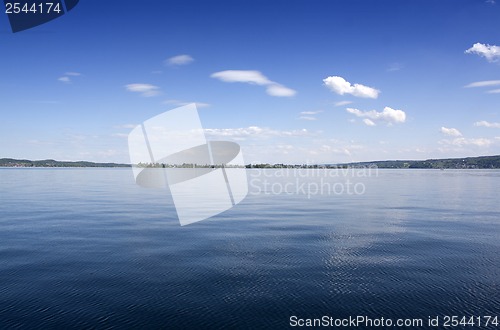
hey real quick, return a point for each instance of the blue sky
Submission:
(290, 81)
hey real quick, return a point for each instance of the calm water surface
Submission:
(87, 248)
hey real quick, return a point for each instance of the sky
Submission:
(290, 81)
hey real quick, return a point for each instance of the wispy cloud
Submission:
(309, 115)
(342, 103)
(182, 103)
(254, 131)
(368, 122)
(311, 112)
(179, 60)
(66, 78)
(485, 83)
(490, 52)
(310, 118)
(461, 142)
(243, 76)
(341, 86)
(40, 142)
(255, 78)
(280, 90)
(395, 67)
(450, 131)
(484, 123)
(388, 115)
(145, 90)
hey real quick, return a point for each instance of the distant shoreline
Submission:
(483, 162)
(25, 163)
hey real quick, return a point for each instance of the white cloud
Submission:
(309, 150)
(179, 60)
(244, 76)
(311, 112)
(279, 90)
(461, 142)
(485, 123)
(254, 131)
(341, 103)
(145, 90)
(341, 86)
(368, 122)
(490, 52)
(485, 83)
(310, 118)
(256, 78)
(64, 79)
(450, 131)
(388, 115)
(309, 115)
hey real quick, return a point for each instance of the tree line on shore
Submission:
(484, 162)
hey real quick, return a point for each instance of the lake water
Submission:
(88, 248)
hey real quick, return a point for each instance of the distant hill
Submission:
(9, 162)
(485, 162)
